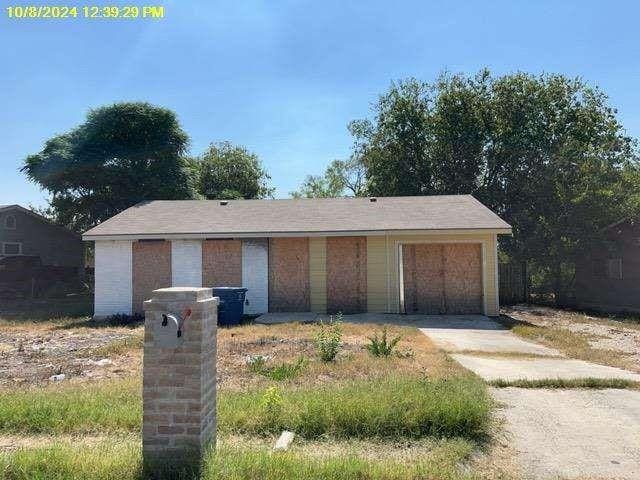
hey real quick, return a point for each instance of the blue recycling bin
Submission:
(231, 306)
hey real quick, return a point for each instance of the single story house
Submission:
(427, 254)
(35, 253)
(608, 276)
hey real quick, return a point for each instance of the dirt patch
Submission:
(31, 355)
(288, 342)
(601, 333)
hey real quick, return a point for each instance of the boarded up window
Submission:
(289, 275)
(346, 274)
(151, 265)
(222, 263)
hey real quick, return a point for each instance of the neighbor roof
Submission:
(329, 216)
(36, 215)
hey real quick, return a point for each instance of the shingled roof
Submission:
(317, 216)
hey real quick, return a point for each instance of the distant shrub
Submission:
(381, 346)
(284, 371)
(328, 338)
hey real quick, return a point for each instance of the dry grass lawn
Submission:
(599, 339)
(288, 342)
(34, 347)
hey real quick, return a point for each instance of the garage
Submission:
(441, 278)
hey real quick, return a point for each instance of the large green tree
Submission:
(342, 177)
(545, 152)
(121, 155)
(230, 171)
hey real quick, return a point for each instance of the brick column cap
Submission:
(183, 293)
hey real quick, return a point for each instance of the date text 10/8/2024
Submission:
(60, 12)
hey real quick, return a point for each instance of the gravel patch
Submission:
(38, 356)
(602, 333)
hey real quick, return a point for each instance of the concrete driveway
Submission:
(573, 433)
(477, 333)
(556, 433)
(491, 369)
(472, 340)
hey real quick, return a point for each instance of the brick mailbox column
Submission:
(179, 375)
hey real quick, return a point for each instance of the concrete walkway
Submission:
(539, 368)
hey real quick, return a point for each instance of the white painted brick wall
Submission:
(186, 263)
(255, 275)
(113, 277)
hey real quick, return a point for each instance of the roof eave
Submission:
(205, 235)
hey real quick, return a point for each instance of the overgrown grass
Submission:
(261, 464)
(572, 344)
(74, 408)
(564, 383)
(122, 460)
(282, 371)
(388, 408)
(105, 461)
(117, 347)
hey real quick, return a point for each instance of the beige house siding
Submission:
(377, 274)
(318, 274)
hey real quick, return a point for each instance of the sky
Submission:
(284, 78)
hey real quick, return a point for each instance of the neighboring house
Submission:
(608, 277)
(24, 232)
(429, 254)
(34, 253)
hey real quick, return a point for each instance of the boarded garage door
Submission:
(442, 278)
(289, 275)
(346, 274)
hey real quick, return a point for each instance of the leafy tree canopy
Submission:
(230, 171)
(342, 177)
(546, 152)
(121, 155)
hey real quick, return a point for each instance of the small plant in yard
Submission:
(381, 346)
(271, 400)
(284, 371)
(328, 338)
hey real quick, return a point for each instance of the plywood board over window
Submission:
(222, 263)
(346, 274)
(289, 275)
(151, 270)
(442, 278)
